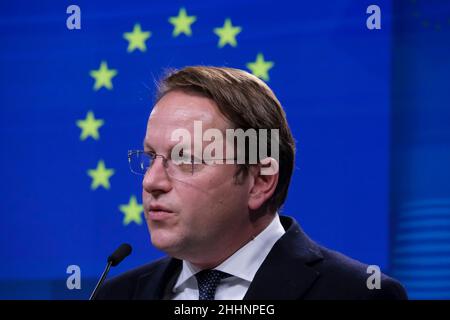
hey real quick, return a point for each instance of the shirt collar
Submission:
(245, 262)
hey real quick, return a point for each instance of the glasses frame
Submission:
(165, 160)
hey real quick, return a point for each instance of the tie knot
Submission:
(208, 280)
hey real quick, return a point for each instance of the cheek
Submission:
(200, 202)
(210, 193)
(228, 197)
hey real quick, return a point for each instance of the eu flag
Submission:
(77, 83)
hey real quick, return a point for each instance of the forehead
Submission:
(179, 110)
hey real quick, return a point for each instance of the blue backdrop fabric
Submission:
(354, 99)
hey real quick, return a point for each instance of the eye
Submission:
(149, 157)
(196, 161)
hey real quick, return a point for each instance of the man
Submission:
(218, 221)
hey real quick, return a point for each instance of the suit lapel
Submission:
(155, 285)
(286, 273)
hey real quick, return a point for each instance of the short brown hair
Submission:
(247, 102)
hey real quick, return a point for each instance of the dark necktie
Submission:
(207, 281)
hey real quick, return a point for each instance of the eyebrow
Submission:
(148, 147)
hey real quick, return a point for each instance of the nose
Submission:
(156, 181)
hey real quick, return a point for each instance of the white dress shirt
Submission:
(242, 266)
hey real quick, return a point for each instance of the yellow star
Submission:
(103, 76)
(89, 126)
(227, 34)
(136, 38)
(260, 67)
(182, 23)
(100, 176)
(132, 211)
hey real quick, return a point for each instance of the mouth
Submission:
(158, 213)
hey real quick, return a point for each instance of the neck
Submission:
(227, 251)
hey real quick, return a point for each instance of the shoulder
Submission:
(342, 277)
(337, 275)
(124, 286)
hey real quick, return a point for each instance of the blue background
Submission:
(345, 89)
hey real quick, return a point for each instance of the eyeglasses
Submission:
(140, 161)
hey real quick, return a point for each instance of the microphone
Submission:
(114, 259)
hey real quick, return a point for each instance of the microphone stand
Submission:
(100, 281)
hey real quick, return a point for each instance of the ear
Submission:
(265, 181)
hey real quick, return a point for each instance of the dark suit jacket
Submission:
(296, 268)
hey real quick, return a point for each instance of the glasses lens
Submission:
(139, 162)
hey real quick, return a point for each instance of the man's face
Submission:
(196, 216)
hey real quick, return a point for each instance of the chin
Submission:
(164, 242)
